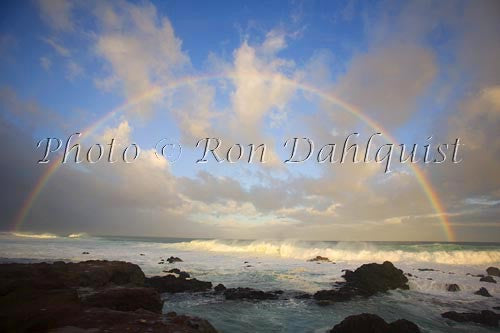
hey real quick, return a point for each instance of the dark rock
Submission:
(488, 278)
(485, 317)
(171, 260)
(194, 323)
(493, 271)
(303, 296)
(320, 258)
(219, 288)
(125, 299)
(370, 323)
(141, 254)
(366, 280)
(85, 252)
(453, 287)
(496, 308)
(249, 294)
(107, 320)
(37, 310)
(403, 326)
(43, 297)
(177, 271)
(339, 295)
(427, 270)
(373, 278)
(177, 284)
(483, 292)
(91, 273)
(429, 279)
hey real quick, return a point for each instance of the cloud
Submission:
(57, 14)
(387, 82)
(388, 77)
(140, 47)
(73, 70)
(63, 51)
(46, 63)
(28, 113)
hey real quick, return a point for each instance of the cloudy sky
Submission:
(248, 72)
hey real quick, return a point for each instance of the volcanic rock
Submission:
(370, 323)
(366, 280)
(453, 287)
(177, 284)
(320, 258)
(249, 294)
(483, 292)
(171, 260)
(100, 296)
(485, 317)
(488, 278)
(125, 299)
(494, 271)
(219, 288)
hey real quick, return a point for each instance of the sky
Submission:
(418, 72)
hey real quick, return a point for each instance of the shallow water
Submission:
(283, 265)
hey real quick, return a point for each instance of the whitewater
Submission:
(284, 265)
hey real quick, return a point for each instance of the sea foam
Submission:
(347, 251)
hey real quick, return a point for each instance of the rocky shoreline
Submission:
(89, 296)
(116, 296)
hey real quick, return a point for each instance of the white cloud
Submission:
(57, 14)
(73, 70)
(140, 47)
(46, 63)
(58, 47)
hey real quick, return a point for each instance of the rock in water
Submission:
(373, 278)
(453, 287)
(365, 281)
(171, 260)
(249, 294)
(370, 323)
(483, 292)
(403, 326)
(485, 317)
(219, 288)
(177, 284)
(177, 271)
(493, 271)
(320, 258)
(488, 278)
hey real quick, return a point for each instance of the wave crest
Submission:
(33, 235)
(346, 251)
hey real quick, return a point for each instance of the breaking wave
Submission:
(440, 253)
(78, 235)
(33, 235)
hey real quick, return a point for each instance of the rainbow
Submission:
(158, 91)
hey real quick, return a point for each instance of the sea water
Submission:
(272, 264)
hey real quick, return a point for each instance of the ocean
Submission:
(282, 264)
